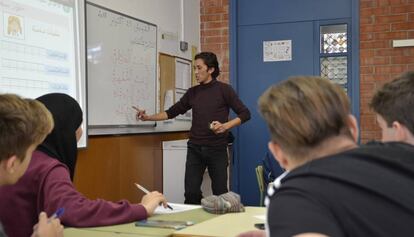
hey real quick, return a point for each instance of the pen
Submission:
(146, 192)
(59, 212)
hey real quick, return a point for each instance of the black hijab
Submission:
(61, 142)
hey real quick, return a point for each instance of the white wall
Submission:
(166, 14)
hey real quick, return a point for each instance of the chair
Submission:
(260, 183)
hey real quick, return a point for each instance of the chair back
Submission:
(260, 183)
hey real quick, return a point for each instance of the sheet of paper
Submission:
(260, 217)
(168, 99)
(182, 74)
(176, 208)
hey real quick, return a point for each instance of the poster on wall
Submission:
(182, 83)
(279, 50)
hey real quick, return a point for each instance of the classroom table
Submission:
(206, 225)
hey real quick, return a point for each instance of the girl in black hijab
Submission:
(61, 143)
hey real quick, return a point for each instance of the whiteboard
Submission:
(122, 57)
(42, 49)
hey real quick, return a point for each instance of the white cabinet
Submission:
(174, 157)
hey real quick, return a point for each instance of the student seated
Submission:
(331, 186)
(393, 105)
(47, 183)
(271, 169)
(24, 123)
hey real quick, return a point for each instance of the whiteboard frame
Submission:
(125, 128)
(83, 142)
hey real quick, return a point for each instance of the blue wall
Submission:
(251, 23)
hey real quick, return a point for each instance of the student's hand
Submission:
(218, 127)
(253, 233)
(46, 228)
(141, 115)
(152, 200)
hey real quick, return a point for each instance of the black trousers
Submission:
(198, 159)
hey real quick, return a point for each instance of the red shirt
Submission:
(46, 186)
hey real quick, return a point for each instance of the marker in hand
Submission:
(136, 108)
(212, 124)
(215, 126)
(140, 113)
(146, 192)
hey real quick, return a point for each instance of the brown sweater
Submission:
(209, 102)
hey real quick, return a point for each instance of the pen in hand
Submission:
(146, 192)
(59, 212)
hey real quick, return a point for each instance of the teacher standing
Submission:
(210, 102)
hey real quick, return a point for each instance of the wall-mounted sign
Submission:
(279, 50)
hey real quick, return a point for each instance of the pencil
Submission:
(146, 192)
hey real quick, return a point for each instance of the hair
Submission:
(210, 59)
(23, 122)
(395, 101)
(304, 111)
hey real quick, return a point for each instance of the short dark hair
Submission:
(23, 122)
(395, 101)
(210, 59)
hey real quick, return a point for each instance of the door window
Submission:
(334, 54)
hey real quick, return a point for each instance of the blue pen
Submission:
(59, 212)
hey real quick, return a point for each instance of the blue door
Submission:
(252, 24)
